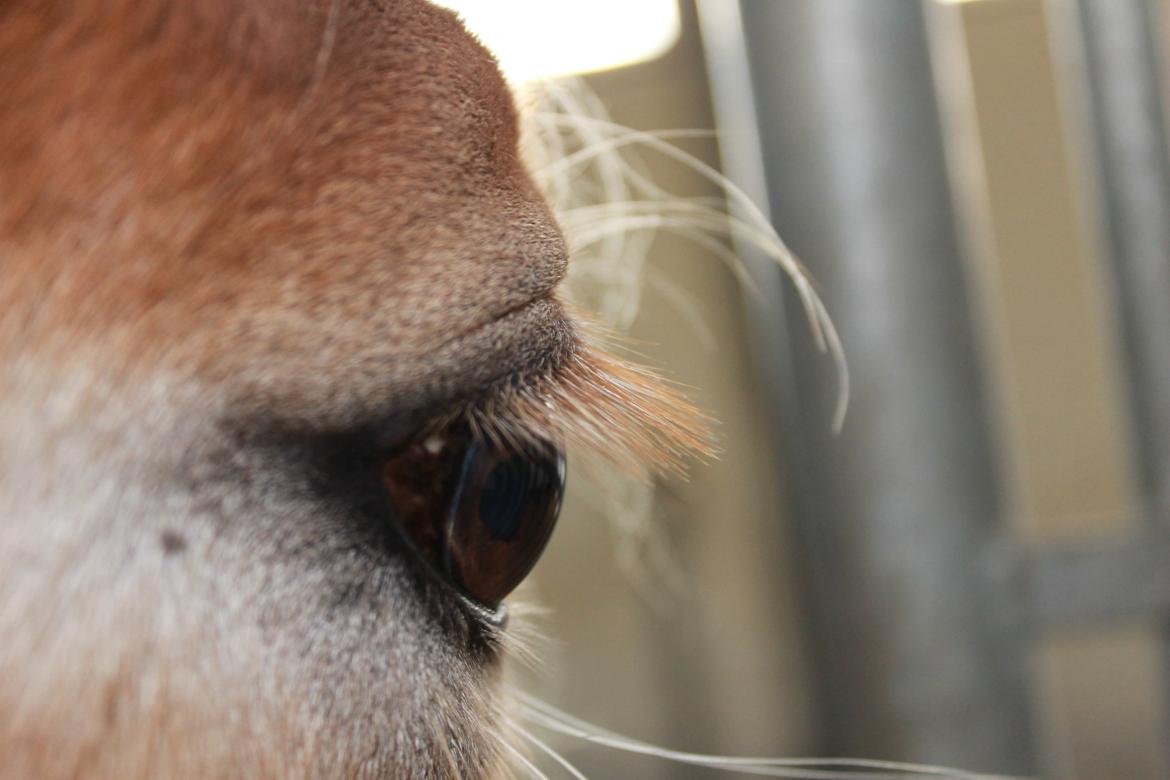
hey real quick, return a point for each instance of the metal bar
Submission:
(1127, 98)
(742, 160)
(1128, 113)
(895, 511)
(1084, 583)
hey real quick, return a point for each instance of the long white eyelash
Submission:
(610, 226)
(545, 748)
(523, 642)
(546, 716)
(611, 210)
(631, 204)
(518, 756)
(621, 255)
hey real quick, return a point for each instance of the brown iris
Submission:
(479, 514)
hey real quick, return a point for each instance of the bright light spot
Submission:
(536, 39)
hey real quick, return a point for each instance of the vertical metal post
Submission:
(896, 510)
(1127, 98)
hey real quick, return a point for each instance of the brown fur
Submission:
(244, 249)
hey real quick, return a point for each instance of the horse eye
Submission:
(479, 514)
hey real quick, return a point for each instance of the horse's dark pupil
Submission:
(502, 502)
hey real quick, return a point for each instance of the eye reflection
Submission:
(479, 514)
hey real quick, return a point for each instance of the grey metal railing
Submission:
(922, 608)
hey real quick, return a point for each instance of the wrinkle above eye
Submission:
(543, 298)
(376, 389)
(530, 340)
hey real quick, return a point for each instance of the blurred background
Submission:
(975, 571)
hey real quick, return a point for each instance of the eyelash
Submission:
(476, 494)
(598, 405)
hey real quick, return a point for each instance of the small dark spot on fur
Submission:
(346, 597)
(172, 542)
